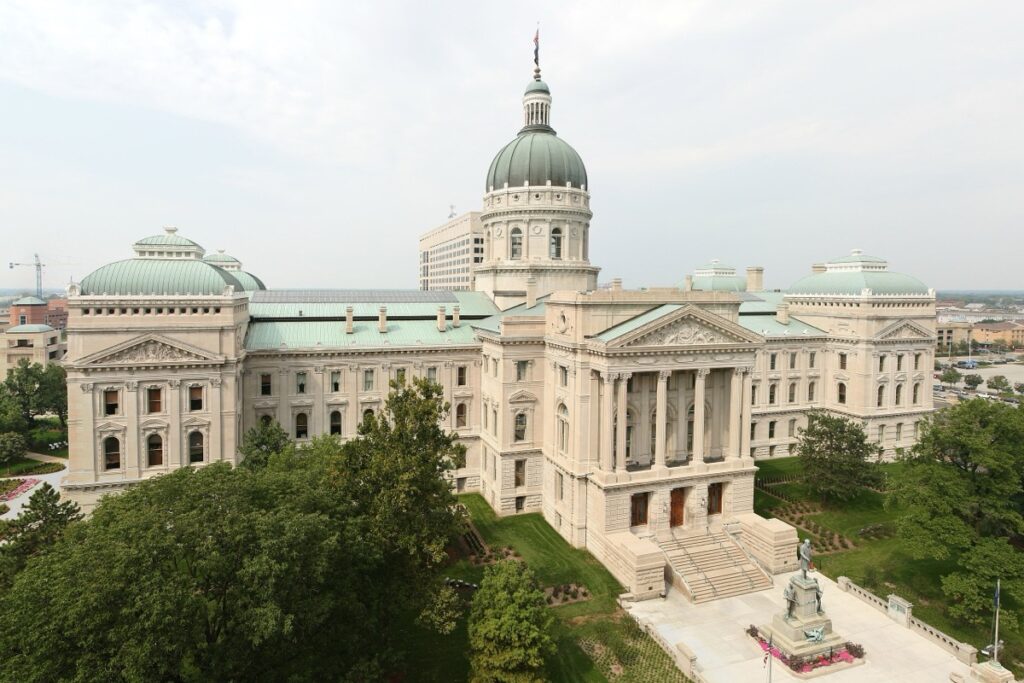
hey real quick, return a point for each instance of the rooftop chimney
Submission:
(456, 321)
(382, 319)
(440, 319)
(688, 283)
(531, 292)
(617, 284)
(818, 268)
(755, 279)
(348, 320)
(782, 313)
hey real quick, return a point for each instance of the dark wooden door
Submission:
(678, 506)
(715, 499)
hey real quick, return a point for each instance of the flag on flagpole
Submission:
(768, 652)
(996, 599)
(536, 47)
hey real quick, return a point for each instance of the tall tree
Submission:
(40, 525)
(509, 627)
(12, 447)
(262, 441)
(836, 456)
(52, 396)
(998, 383)
(950, 376)
(22, 384)
(960, 492)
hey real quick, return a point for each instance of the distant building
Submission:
(1009, 333)
(951, 334)
(57, 313)
(448, 253)
(28, 310)
(36, 343)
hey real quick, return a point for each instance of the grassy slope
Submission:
(20, 467)
(440, 658)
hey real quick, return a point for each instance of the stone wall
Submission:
(771, 542)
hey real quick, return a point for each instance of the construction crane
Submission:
(38, 265)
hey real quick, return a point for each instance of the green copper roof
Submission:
(537, 85)
(493, 323)
(321, 334)
(220, 257)
(636, 322)
(167, 240)
(331, 304)
(856, 281)
(249, 282)
(720, 283)
(767, 325)
(534, 158)
(22, 329)
(28, 301)
(761, 302)
(159, 276)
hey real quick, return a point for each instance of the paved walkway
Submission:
(715, 632)
(54, 479)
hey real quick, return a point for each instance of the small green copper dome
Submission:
(249, 282)
(169, 239)
(141, 276)
(534, 158)
(220, 257)
(537, 85)
(879, 282)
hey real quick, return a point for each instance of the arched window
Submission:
(111, 453)
(154, 450)
(336, 422)
(629, 434)
(301, 426)
(563, 428)
(195, 447)
(515, 244)
(520, 428)
(266, 419)
(841, 393)
(881, 396)
(810, 391)
(792, 391)
(555, 250)
(917, 393)
(899, 394)
(460, 415)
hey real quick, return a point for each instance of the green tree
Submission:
(41, 523)
(973, 381)
(998, 383)
(1019, 387)
(950, 376)
(960, 493)
(22, 384)
(259, 443)
(52, 396)
(12, 447)
(509, 627)
(11, 419)
(836, 456)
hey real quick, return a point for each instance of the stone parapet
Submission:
(771, 542)
(637, 563)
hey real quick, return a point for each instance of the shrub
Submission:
(752, 631)
(856, 650)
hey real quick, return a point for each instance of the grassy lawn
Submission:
(8, 485)
(20, 467)
(595, 638)
(882, 565)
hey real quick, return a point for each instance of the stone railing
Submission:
(683, 656)
(901, 611)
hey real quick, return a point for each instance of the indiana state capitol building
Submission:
(632, 419)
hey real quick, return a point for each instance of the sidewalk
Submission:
(54, 479)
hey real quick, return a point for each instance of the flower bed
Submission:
(848, 654)
(565, 594)
(21, 488)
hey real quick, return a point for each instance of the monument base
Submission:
(805, 631)
(990, 672)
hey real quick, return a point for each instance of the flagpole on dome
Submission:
(536, 54)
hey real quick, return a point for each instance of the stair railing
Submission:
(753, 560)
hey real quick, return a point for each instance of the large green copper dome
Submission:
(534, 158)
(140, 276)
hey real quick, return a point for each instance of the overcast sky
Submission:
(316, 141)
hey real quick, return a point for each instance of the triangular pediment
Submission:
(687, 326)
(905, 329)
(522, 396)
(149, 350)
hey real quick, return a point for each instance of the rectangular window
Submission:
(792, 427)
(917, 361)
(753, 430)
(792, 361)
(559, 486)
(300, 382)
(899, 432)
(335, 380)
(563, 375)
(494, 421)
(483, 417)
(810, 359)
(753, 395)
(195, 398)
(520, 503)
(400, 376)
(638, 509)
(154, 400)
(771, 429)
(266, 385)
(715, 498)
(899, 362)
(367, 380)
(521, 366)
(460, 376)
(881, 363)
(842, 361)
(771, 360)
(881, 435)
(520, 473)
(110, 402)
(432, 374)
(494, 367)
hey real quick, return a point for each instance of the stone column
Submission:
(131, 447)
(283, 417)
(172, 451)
(607, 405)
(661, 417)
(620, 441)
(745, 400)
(698, 416)
(215, 449)
(735, 413)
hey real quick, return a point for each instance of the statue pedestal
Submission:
(803, 631)
(990, 672)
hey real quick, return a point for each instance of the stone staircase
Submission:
(713, 565)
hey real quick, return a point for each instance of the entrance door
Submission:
(715, 499)
(678, 506)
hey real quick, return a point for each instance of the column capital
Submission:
(745, 369)
(663, 375)
(625, 375)
(703, 372)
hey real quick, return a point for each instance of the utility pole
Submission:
(38, 265)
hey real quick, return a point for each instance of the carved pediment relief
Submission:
(687, 327)
(149, 350)
(522, 397)
(906, 329)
